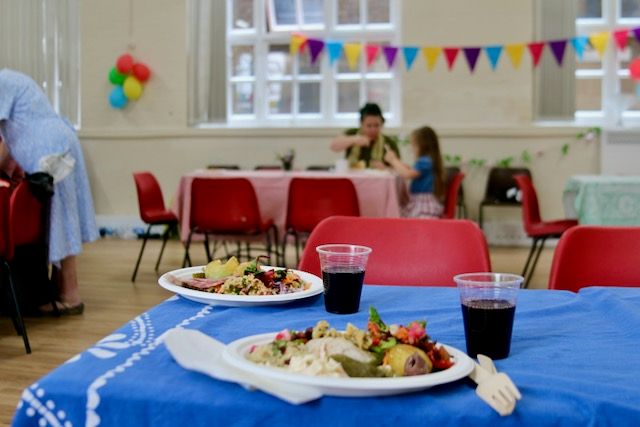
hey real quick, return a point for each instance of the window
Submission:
(266, 85)
(41, 39)
(603, 86)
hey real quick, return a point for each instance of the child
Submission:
(427, 176)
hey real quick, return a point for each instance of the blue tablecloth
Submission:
(575, 358)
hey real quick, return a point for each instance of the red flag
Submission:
(372, 53)
(535, 49)
(620, 37)
(451, 53)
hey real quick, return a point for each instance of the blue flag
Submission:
(410, 53)
(494, 52)
(579, 43)
(335, 51)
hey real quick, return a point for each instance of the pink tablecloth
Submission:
(377, 192)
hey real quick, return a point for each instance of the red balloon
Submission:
(634, 69)
(124, 63)
(141, 71)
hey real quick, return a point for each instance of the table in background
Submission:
(574, 357)
(377, 192)
(603, 200)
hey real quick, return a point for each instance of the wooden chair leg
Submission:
(19, 321)
(144, 243)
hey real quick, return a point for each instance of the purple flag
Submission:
(390, 53)
(636, 33)
(472, 54)
(315, 47)
(558, 47)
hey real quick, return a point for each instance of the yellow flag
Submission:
(515, 51)
(431, 56)
(297, 41)
(599, 41)
(352, 52)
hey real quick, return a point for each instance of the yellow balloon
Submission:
(132, 88)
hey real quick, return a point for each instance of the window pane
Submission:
(588, 94)
(285, 12)
(379, 91)
(589, 9)
(309, 97)
(628, 87)
(279, 97)
(243, 98)
(278, 61)
(378, 12)
(630, 8)
(242, 60)
(242, 14)
(348, 97)
(348, 12)
(312, 12)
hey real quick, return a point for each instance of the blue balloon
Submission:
(117, 98)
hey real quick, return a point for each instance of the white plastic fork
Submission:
(495, 388)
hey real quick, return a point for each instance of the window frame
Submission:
(328, 77)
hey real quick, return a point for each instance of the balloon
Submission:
(116, 77)
(117, 99)
(132, 88)
(634, 69)
(141, 71)
(124, 63)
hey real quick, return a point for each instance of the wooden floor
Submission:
(111, 300)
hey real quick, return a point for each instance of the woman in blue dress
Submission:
(40, 140)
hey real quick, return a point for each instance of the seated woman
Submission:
(427, 175)
(364, 146)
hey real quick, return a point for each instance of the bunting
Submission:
(336, 49)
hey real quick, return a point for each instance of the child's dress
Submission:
(422, 202)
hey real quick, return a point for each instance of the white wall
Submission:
(486, 115)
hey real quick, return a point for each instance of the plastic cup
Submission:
(488, 303)
(343, 268)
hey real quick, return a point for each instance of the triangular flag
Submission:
(431, 56)
(390, 53)
(315, 47)
(372, 53)
(621, 37)
(297, 43)
(599, 41)
(451, 53)
(352, 52)
(579, 43)
(557, 48)
(471, 54)
(493, 53)
(535, 49)
(636, 33)
(514, 52)
(334, 49)
(410, 53)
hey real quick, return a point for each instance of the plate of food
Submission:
(234, 284)
(381, 360)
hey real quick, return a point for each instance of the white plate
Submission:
(235, 354)
(239, 300)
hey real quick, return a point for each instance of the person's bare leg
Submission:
(68, 284)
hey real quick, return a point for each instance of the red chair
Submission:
(6, 256)
(451, 200)
(152, 212)
(313, 199)
(596, 256)
(535, 228)
(227, 207)
(406, 251)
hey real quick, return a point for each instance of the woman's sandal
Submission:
(64, 309)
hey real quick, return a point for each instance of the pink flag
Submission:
(315, 47)
(536, 52)
(390, 53)
(620, 37)
(372, 51)
(451, 53)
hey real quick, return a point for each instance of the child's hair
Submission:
(370, 109)
(426, 140)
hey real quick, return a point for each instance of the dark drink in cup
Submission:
(342, 289)
(487, 327)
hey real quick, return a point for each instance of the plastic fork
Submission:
(494, 387)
